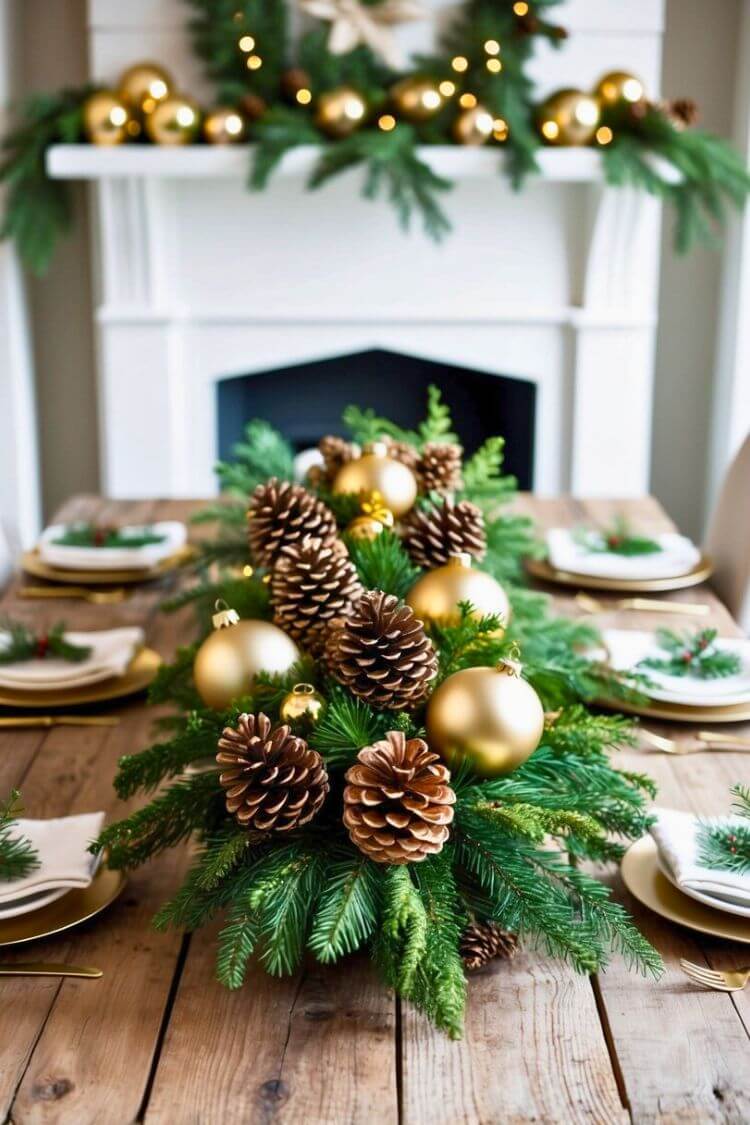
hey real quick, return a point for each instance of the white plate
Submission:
(677, 556)
(626, 648)
(112, 558)
(699, 896)
(31, 902)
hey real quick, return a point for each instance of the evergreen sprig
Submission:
(694, 654)
(20, 643)
(89, 535)
(18, 857)
(619, 539)
(727, 847)
(383, 563)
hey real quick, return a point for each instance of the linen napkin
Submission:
(111, 652)
(626, 648)
(112, 558)
(676, 836)
(62, 848)
(678, 556)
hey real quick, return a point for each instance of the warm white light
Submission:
(118, 115)
(604, 135)
(303, 96)
(484, 123)
(632, 90)
(157, 89)
(447, 89)
(586, 113)
(387, 122)
(492, 47)
(430, 99)
(550, 129)
(185, 116)
(521, 8)
(233, 124)
(246, 43)
(460, 64)
(494, 66)
(467, 101)
(353, 109)
(254, 62)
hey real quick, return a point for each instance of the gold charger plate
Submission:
(540, 568)
(139, 675)
(680, 712)
(641, 875)
(32, 564)
(71, 910)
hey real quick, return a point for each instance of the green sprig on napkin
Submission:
(618, 539)
(17, 855)
(728, 848)
(24, 644)
(695, 655)
(96, 535)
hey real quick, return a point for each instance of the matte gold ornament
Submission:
(490, 718)
(143, 86)
(618, 86)
(340, 111)
(473, 126)
(375, 471)
(175, 121)
(568, 118)
(302, 707)
(436, 595)
(232, 656)
(417, 98)
(224, 126)
(105, 118)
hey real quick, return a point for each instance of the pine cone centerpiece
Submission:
(336, 453)
(274, 781)
(397, 800)
(439, 467)
(312, 583)
(281, 513)
(434, 535)
(481, 942)
(381, 653)
(403, 452)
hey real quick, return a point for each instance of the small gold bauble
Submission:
(617, 86)
(375, 471)
(490, 718)
(105, 118)
(473, 126)
(339, 112)
(143, 86)
(568, 117)
(302, 707)
(224, 126)
(436, 595)
(232, 656)
(365, 527)
(417, 98)
(175, 121)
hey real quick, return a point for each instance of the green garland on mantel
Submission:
(699, 174)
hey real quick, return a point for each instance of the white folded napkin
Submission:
(676, 835)
(62, 848)
(112, 650)
(626, 648)
(678, 556)
(112, 558)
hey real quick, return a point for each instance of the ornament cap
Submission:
(461, 559)
(303, 689)
(224, 616)
(376, 448)
(511, 665)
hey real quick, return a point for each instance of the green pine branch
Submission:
(261, 454)
(383, 563)
(18, 857)
(347, 911)
(727, 847)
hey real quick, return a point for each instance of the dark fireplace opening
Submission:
(305, 401)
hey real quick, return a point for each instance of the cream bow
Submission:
(354, 22)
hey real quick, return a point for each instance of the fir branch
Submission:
(144, 771)
(19, 643)
(249, 596)
(482, 474)
(231, 514)
(727, 847)
(228, 550)
(269, 689)
(18, 857)
(91, 535)
(173, 683)
(383, 563)
(401, 941)
(619, 539)
(365, 426)
(347, 911)
(439, 985)
(215, 30)
(473, 642)
(284, 900)
(280, 130)
(262, 453)
(438, 424)
(696, 655)
(347, 725)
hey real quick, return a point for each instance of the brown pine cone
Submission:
(311, 583)
(274, 781)
(336, 453)
(439, 467)
(381, 653)
(397, 801)
(481, 942)
(434, 535)
(281, 513)
(682, 112)
(403, 452)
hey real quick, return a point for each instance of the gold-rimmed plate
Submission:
(32, 564)
(139, 675)
(641, 875)
(545, 572)
(679, 712)
(72, 909)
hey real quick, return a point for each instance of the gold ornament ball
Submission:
(365, 527)
(490, 718)
(143, 86)
(435, 597)
(302, 707)
(339, 112)
(617, 86)
(175, 121)
(375, 471)
(473, 126)
(568, 118)
(224, 126)
(105, 118)
(416, 98)
(232, 656)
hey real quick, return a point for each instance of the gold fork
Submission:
(9, 721)
(47, 969)
(704, 740)
(653, 605)
(727, 980)
(95, 597)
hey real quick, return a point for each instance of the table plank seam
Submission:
(399, 1049)
(169, 1003)
(32, 1050)
(609, 1040)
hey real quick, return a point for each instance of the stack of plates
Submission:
(108, 565)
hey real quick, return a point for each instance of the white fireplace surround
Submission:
(199, 280)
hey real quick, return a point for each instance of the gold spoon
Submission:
(47, 969)
(95, 597)
(59, 720)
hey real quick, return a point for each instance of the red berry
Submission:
(42, 647)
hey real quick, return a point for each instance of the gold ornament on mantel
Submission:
(417, 98)
(568, 118)
(105, 118)
(490, 718)
(375, 471)
(340, 111)
(175, 121)
(374, 517)
(232, 656)
(473, 126)
(224, 126)
(436, 596)
(143, 86)
(302, 707)
(619, 86)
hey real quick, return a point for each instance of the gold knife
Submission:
(59, 721)
(47, 969)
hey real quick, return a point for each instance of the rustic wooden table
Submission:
(157, 1040)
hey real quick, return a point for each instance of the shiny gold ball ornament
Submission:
(175, 121)
(105, 118)
(143, 86)
(490, 718)
(619, 86)
(568, 118)
(473, 126)
(417, 98)
(224, 126)
(375, 517)
(340, 111)
(375, 471)
(436, 596)
(232, 656)
(302, 707)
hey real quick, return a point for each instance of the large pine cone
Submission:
(281, 513)
(336, 453)
(381, 653)
(481, 942)
(439, 467)
(434, 535)
(401, 451)
(397, 801)
(274, 781)
(312, 583)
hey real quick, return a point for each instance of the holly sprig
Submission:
(93, 535)
(24, 644)
(728, 847)
(18, 857)
(617, 539)
(697, 655)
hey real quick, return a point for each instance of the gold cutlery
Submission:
(48, 969)
(59, 721)
(704, 740)
(95, 597)
(653, 605)
(728, 980)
